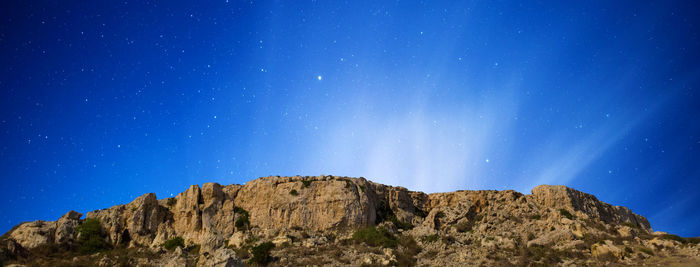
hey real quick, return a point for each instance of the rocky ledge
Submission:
(339, 221)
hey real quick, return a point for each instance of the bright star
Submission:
(319, 77)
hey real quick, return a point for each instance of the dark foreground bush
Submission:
(693, 240)
(409, 249)
(566, 214)
(306, 183)
(174, 242)
(243, 218)
(261, 253)
(374, 236)
(430, 238)
(91, 238)
(400, 224)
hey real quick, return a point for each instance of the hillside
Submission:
(328, 220)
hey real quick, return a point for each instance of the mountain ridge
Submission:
(331, 220)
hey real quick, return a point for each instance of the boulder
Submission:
(222, 257)
(606, 250)
(33, 234)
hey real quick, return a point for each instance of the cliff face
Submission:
(316, 220)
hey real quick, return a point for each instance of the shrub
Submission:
(241, 211)
(430, 238)
(348, 183)
(430, 254)
(693, 240)
(566, 214)
(536, 217)
(400, 224)
(306, 183)
(374, 236)
(92, 245)
(261, 253)
(448, 240)
(194, 249)
(242, 222)
(242, 253)
(630, 225)
(174, 242)
(646, 250)
(546, 256)
(588, 239)
(406, 256)
(294, 192)
(89, 227)
(409, 244)
(440, 214)
(172, 201)
(251, 240)
(674, 238)
(243, 219)
(91, 238)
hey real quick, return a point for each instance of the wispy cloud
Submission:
(425, 147)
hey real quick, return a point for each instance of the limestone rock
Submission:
(135, 223)
(627, 232)
(552, 237)
(220, 258)
(321, 205)
(173, 261)
(237, 239)
(559, 196)
(33, 234)
(662, 243)
(315, 241)
(606, 249)
(281, 239)
(65, 226)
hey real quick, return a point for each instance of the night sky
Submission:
(103, 101)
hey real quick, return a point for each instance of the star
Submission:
(319, 77)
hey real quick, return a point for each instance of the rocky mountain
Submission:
(339, 221)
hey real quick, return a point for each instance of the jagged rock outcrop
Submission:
(66, 225)
(318, 205)
(559, 196)
(33, 234)
(133, 224)
(219, 225)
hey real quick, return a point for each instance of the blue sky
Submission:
(105, 101)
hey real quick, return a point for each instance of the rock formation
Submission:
(328, 220)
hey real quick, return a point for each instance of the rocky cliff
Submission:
(328, 220)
